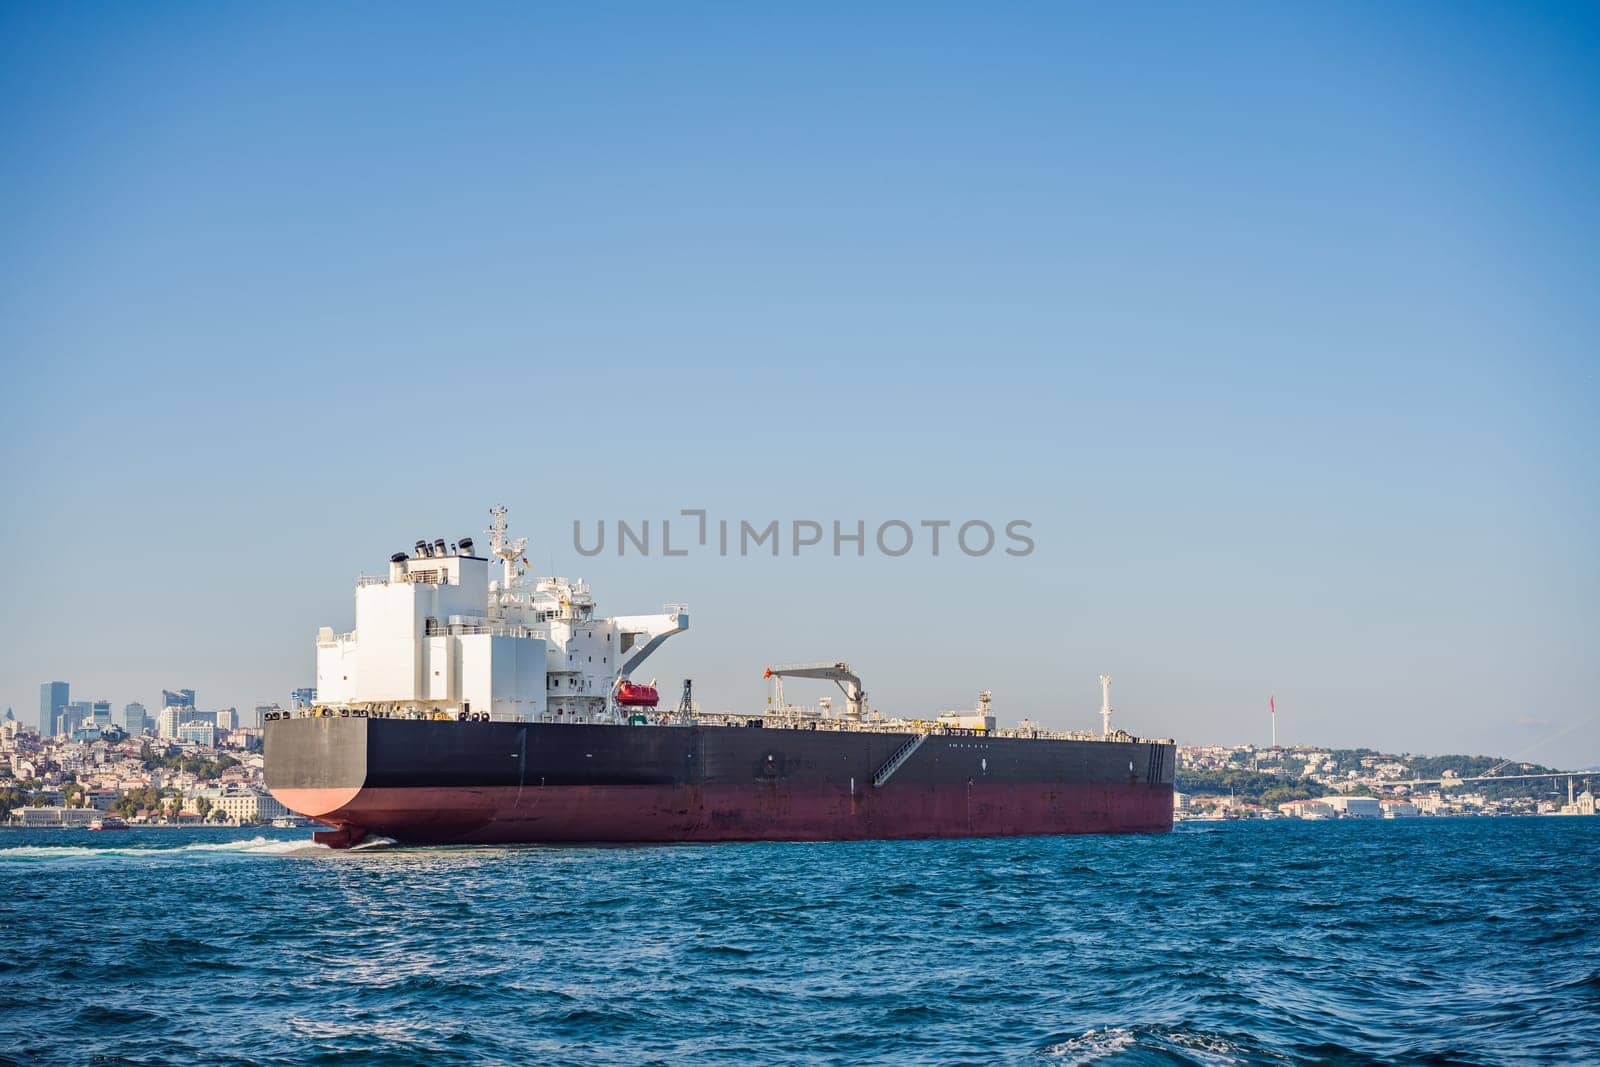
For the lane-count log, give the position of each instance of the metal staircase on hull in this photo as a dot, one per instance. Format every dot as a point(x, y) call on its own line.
point(896, 761)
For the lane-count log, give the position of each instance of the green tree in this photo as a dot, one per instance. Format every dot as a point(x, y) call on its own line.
point(173, 759)
point(202, 806)
point(131, 802)
point(1246, 785)
point(1282, 795)
point(12, 798)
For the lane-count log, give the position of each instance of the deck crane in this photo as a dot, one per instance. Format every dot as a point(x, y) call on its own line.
point(839, 673)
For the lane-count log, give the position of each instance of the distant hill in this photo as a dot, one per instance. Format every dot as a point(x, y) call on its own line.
point(1271, 777)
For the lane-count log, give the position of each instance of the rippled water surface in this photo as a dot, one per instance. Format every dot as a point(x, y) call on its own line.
point(1469, 940)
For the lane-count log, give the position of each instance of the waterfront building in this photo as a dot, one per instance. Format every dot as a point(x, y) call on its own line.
point(52, 699)
point(247, 804)
point(1582, 804)
point(52, 816)
point(1307, 809)
point(1355, 807)
point(167, 722)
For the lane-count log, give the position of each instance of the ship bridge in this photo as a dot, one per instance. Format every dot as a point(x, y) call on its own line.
point(438, 637)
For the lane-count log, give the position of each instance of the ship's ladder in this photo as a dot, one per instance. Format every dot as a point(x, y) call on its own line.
point(896, 761)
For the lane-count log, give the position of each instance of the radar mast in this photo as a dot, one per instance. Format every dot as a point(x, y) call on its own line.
point(507, 550)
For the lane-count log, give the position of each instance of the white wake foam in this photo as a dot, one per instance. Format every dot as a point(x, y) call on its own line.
point(259, 846)
point(1093, 1046)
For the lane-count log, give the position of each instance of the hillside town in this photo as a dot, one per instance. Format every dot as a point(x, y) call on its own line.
point(1310, 782)
point(81, 764)
point(84, 764)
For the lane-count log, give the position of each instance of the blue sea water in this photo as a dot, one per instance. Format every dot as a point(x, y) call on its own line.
point(1410, 941)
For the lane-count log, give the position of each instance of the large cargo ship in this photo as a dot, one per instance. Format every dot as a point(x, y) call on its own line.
point(470, 709)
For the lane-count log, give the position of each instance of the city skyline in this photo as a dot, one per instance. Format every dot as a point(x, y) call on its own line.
point(1278, 330)
point(60, 715)
point(1307, 743)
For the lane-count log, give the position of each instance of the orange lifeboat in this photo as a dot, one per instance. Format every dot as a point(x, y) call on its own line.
point(630, 695)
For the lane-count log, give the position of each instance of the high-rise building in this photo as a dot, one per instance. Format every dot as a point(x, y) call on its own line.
point(183, 698)
point(199, 733)
point(262, 711)
point(73, 717)
point(302, 698)
point(52, 698)
point(227, 718)
point(167, 722)
point(100, 713)
point(135, 719)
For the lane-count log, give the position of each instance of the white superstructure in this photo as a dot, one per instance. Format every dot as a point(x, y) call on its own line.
point(979, 718)
point(439, 636)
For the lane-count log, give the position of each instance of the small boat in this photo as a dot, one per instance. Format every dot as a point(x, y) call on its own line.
point(290, 822)
point(108, 822)
point(631, 695)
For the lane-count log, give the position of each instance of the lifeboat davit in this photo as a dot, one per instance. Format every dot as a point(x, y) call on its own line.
point(630, 695)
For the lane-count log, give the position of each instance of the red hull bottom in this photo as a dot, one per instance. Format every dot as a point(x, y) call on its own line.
point(642, 813)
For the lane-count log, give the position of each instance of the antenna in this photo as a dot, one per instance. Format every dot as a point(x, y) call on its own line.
point(1105, 705)
point(499, 545)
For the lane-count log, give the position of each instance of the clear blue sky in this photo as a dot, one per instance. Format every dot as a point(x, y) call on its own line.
point(1277, 321)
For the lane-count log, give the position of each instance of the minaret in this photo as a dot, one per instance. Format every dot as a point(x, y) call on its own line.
point(1105, 705)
